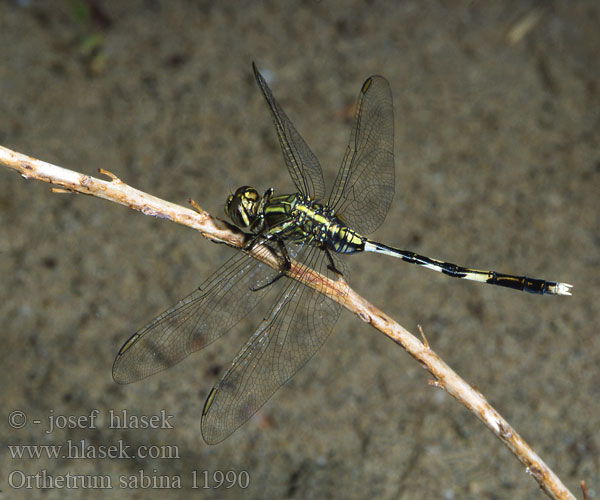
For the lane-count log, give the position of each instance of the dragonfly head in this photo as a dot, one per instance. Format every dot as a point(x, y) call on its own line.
point(242, 206)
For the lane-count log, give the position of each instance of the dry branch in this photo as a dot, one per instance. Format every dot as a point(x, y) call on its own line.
point(222, 232)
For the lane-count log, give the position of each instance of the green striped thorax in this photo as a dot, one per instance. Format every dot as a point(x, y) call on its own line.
point(291, 216)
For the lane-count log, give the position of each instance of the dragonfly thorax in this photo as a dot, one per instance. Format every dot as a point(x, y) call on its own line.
point(291, 216)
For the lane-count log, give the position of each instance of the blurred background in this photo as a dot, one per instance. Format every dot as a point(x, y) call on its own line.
point(497, 113)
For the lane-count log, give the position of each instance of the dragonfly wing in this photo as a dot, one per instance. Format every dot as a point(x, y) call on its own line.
point(364, 187)
point(197, 320)
point(294, 330)
point(302, 164)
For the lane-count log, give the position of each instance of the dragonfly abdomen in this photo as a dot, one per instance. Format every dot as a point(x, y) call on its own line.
point(524, 283)
point(342, 239)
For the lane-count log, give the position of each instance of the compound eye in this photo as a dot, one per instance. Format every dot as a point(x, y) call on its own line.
point(250, 196)
point(241, 216)
point(237, 212)
point(242, 206)
point(228, 205)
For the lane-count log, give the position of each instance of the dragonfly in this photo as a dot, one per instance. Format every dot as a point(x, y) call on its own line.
point(304, 227)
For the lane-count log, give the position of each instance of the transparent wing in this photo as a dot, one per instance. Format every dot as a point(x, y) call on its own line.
point(196, 321)
point(295, 328)
point(302, 164)
point(364, 187)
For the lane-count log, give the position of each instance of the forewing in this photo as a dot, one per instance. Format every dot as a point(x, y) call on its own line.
point(302, 164)
point(196, 321)
point(294, 330)
point(364, 186)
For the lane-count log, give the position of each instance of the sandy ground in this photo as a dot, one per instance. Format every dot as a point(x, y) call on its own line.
point(497, 113)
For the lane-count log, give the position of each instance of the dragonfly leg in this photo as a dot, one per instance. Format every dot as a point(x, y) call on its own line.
point(252, 243)
point(284, 269)
point(331, 265)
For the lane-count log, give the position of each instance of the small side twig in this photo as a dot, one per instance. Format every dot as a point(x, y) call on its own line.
point(584, 489)
point(219, 231)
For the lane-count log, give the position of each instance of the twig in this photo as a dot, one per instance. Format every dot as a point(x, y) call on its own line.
point(584, 489)
point(219, 231)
